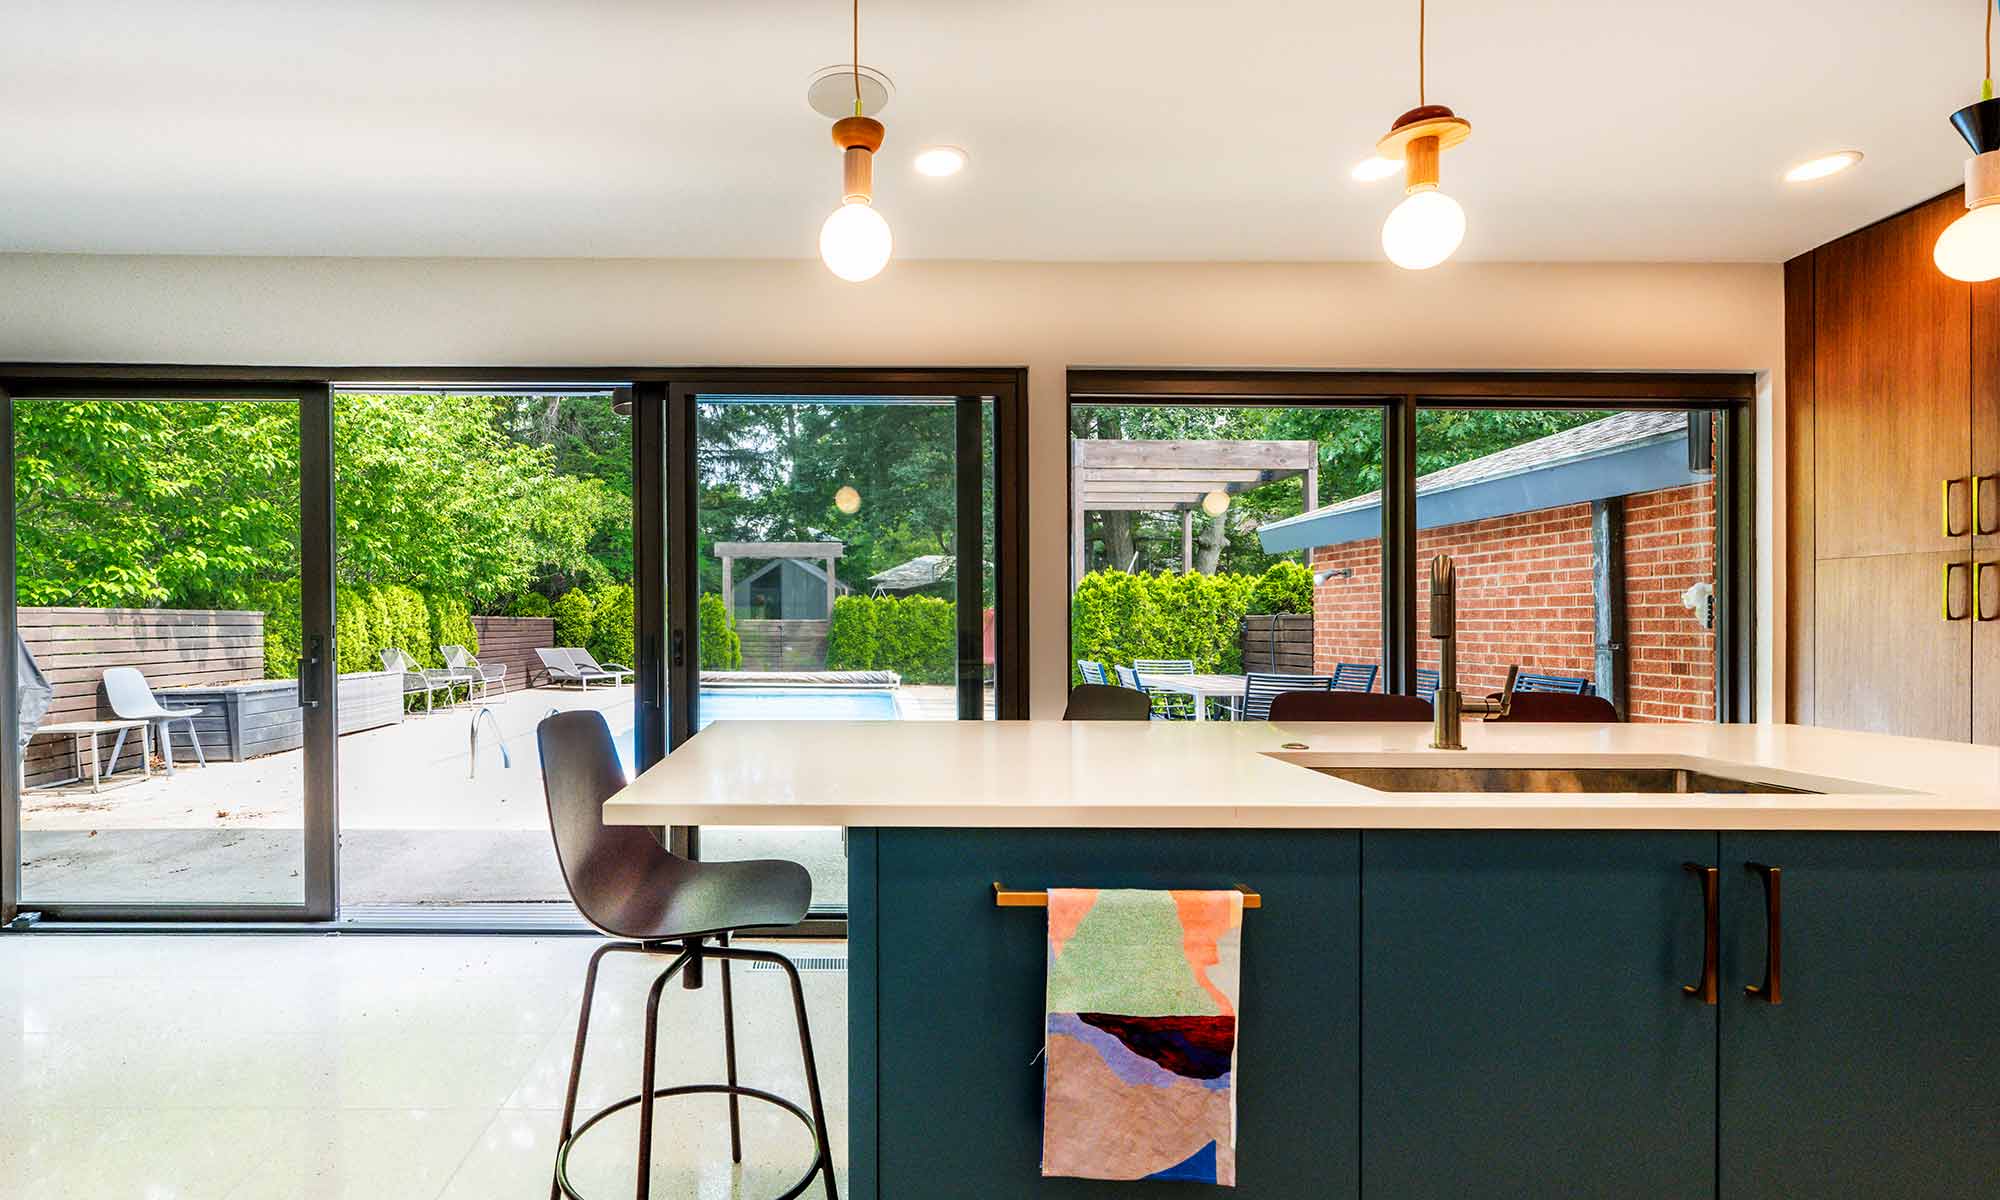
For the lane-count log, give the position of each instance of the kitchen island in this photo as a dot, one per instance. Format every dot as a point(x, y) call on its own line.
point(1634, 960)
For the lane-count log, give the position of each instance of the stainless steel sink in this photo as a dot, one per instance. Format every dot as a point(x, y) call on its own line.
point(1549, 779)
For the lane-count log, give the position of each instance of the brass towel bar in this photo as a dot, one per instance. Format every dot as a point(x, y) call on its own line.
point(1003, 898)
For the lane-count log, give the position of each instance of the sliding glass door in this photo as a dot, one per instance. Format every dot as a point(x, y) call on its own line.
point(169, 606)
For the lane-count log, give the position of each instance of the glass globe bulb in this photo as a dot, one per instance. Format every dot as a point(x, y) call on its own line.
point(855, 242)
point(1969, 248)
point(1423, 230)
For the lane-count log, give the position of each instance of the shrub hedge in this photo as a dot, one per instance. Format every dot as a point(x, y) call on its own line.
point(721, 648)
point(574, 614)
point(611, 626)
point(914, 636)
point(529, 604)
point(1117, 617)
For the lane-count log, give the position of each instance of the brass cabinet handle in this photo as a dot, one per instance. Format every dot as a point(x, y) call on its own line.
point(1946, 604)
point(1944, 505)
point(1979, 483)
point(1979, 606)
point(1711, 934)
point(1772, 989)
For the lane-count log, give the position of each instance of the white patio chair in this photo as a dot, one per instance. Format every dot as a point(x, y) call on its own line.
point(559, 668)
point(419, 678)
point(615, 672)
point(131, 697)
point(463, 662)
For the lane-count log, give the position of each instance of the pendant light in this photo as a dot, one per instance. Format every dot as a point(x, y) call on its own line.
point(1969, 249)
point(1428, 225)
point(855, 241)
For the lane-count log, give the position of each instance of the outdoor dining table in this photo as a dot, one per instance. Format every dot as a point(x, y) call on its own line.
point(1226, 688)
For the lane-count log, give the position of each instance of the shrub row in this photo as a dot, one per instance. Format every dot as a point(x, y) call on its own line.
point(914, 636)
point(602, 622)
point(366, 622)
point(1117, 617)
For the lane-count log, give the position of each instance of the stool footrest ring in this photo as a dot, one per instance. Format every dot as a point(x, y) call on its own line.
point(697, 1089)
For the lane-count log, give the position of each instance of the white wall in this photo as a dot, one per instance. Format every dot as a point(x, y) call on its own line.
point(1046, 316)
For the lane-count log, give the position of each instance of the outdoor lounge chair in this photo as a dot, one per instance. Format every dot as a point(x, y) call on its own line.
point(463, 662)
point(615, 672)
point(419, 678)
point(558, 667)
point(131, 697)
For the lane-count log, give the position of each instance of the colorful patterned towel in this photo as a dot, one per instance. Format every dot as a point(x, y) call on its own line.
point(1141, 1049)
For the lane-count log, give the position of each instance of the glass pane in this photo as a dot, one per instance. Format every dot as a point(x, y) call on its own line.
point(1221, 541)
point(828, 535)
point(1563, 524)
point(484, 548)
point(157, 547)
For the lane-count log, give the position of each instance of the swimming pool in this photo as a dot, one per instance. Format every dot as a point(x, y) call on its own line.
point(781, 704)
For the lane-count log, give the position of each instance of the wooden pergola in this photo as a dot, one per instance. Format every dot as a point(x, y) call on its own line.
point(1173, 476)
point(729, 552)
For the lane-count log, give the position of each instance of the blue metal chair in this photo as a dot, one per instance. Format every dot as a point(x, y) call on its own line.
point(1259, 689)
point(1129, 678)
point(1174, 706)
point(1427, 683)
point(1354, 677)
point(1092, 672)
point(1568, 685)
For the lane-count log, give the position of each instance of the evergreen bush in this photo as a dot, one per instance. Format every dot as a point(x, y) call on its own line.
point(574, 614)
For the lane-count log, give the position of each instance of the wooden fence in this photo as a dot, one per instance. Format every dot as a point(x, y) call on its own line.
point(1282, 643)
point(173, 647)
point(513, 641)
point(790, 645)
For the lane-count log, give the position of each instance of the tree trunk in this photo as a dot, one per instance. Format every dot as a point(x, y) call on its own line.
point(1116, 528)
point(1213, 539)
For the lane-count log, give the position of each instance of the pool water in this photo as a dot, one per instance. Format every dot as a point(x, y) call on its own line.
point(780, 704)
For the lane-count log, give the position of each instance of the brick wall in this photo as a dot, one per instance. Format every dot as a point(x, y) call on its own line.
point(1525, 597)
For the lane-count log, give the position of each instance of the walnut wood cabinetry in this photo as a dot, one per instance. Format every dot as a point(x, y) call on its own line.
point(1893, 388)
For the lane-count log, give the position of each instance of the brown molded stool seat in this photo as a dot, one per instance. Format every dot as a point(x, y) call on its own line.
point(653, 901)
point(1348, 706)
point(1557, 706)
point(1099, 702)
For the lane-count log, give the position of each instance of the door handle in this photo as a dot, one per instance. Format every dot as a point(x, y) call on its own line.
point(1772, 989)
point(1944, 505)
point(1704, 989)
point(1979, 570)
point(312, 672)
point(1979, 483)
point(1948, 569)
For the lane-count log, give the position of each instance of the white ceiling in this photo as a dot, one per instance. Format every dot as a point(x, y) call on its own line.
point(1613, 130)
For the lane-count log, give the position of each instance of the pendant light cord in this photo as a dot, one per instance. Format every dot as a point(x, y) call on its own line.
point(1423, 18)
point(1986, 84)
point(857, 56)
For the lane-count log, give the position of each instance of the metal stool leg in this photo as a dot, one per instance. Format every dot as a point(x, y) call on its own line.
point(649, 1063)
point(576, 1057)
point(729, 1057)
point(812, 1075)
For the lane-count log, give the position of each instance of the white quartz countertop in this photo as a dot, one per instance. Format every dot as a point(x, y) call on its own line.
point(1223, 774)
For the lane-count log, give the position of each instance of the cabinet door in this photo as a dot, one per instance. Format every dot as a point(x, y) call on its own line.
point(1878, 1072)
point(1524, 1029)
point(1886, 658)
point(1892, 401)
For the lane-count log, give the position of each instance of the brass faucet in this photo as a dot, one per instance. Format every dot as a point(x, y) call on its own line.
point(1448, 706)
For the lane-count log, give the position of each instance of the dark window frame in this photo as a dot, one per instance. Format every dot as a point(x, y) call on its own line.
point(1402, 394)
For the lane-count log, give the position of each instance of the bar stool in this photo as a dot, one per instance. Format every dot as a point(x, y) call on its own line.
point(652, 901)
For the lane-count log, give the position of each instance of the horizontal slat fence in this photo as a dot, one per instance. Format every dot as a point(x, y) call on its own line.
point(513, 641)
point(174, 647)
point(791, 645)
point(1282, 643)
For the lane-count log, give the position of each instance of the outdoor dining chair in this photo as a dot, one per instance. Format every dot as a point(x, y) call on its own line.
point(1427, 683)
point(131, 697)
point(466, 664)
point(419, 678)
point(653, 902)
point(1573, 685)
point(1354, 677)
point(1348, 706)
point(1092, 672)
point(1259, 689)
point(615, 672)
point(1174, 706)
point(1097, 702)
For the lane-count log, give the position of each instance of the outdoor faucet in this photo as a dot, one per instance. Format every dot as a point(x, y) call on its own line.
point(1448, 706)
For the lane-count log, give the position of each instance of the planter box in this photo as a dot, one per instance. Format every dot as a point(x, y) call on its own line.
point(1281, 643)
point(247, 720)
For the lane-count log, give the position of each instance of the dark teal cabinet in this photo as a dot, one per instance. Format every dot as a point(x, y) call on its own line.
point(1524, 1029)
point(1878, 1072)
point(946, 1001)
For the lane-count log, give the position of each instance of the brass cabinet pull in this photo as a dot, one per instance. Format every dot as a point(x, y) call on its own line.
point(1711, 934)
point(1979, 606)
point(1772, 989)
point(1948, 569)
point(1944, 505)
point(1979, 483)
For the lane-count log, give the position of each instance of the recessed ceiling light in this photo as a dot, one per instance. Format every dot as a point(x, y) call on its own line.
point(1375, 167)
point(940, 161)
point(1825, 165)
